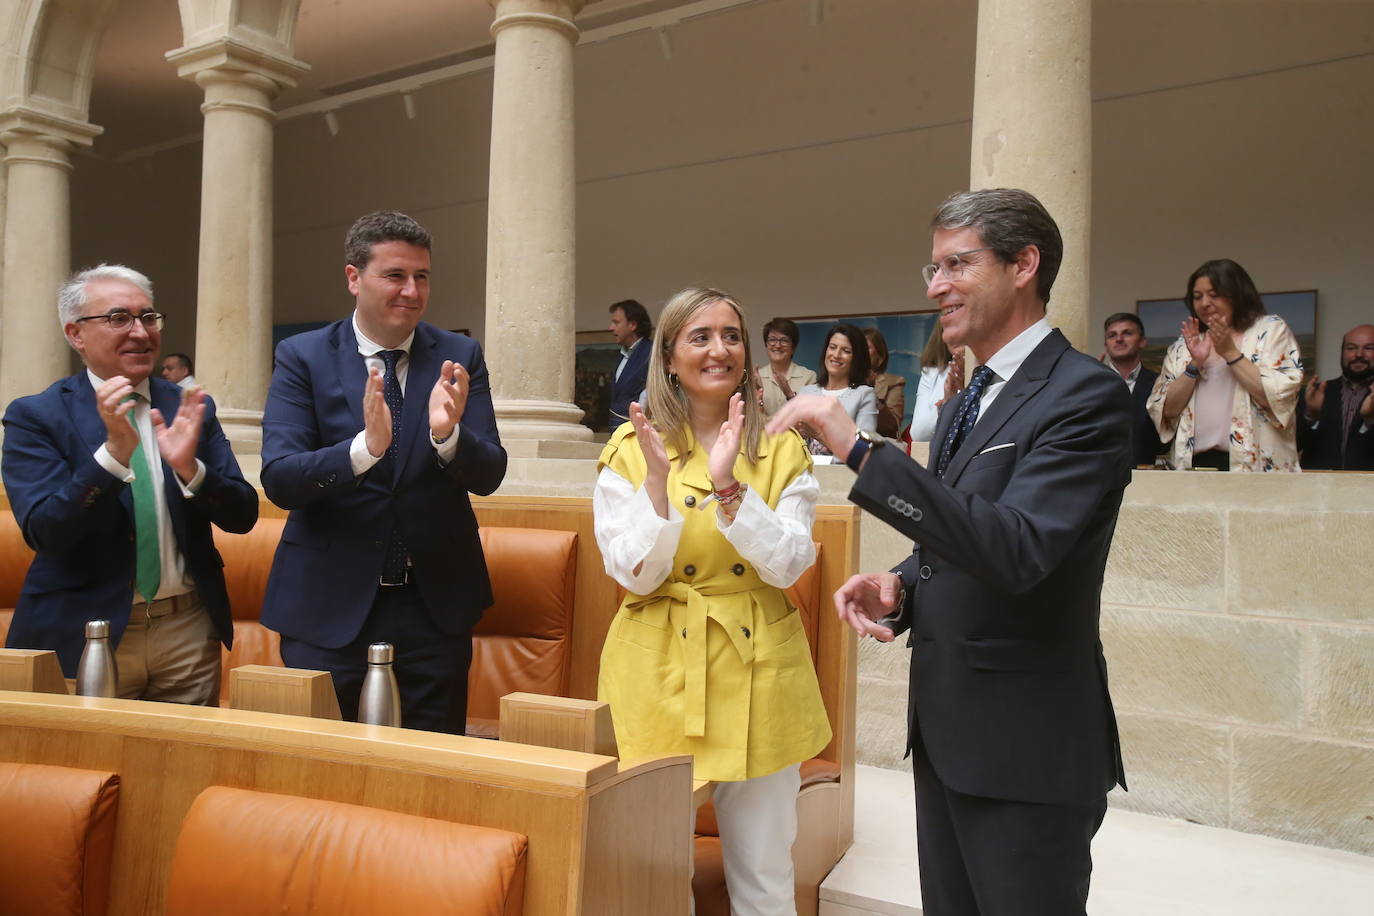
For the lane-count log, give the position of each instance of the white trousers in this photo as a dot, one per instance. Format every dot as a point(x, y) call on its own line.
point(758, 824)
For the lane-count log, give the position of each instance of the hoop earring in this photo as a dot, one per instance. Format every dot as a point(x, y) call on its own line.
point(672, 380)
point(745, 377)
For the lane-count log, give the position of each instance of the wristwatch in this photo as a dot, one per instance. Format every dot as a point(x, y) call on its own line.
point(863, 441)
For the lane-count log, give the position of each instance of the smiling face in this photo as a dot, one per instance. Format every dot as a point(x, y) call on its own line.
point(839, 359)
point(131, 352)
point(708, 357)
point(1209, 304)
point(779, 348)
point(976, 306)
point(392, 291)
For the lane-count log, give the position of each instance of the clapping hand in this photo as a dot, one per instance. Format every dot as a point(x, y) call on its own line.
point(720, 461)
point(1199, 344)
point(448, 399)
point(954, 379)
point(376, 415)
point(113, 404)
point(177, 443)
point(1315, 396)
point(655, 459)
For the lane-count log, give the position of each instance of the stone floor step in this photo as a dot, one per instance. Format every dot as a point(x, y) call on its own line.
point(1144, 866)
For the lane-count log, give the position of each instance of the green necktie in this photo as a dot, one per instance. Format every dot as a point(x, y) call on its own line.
point(148, 569)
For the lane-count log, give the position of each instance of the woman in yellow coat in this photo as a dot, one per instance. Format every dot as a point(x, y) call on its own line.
point(705, 519)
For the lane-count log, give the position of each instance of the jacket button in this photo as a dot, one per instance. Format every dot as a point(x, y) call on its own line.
point(737, 569)
point(916, 514)
point(925, 572)
point(690, 501)
point(689, 570)
point(746, 632)
point(684, 632)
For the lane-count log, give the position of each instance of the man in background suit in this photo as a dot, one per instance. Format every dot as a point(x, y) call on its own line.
point(376, 429)
point(632, 329)
point(1010, 722)
point(118, 536)
point(1336, 419)
point(1123, 339)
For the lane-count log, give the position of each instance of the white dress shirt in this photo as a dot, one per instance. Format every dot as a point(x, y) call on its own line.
point(174, 581)
point(1007, 360)
point(359, 458)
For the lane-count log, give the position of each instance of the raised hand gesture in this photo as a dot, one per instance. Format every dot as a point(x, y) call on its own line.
point(1199, 344)
point(448, 399)
point(111, 403)
point(720, 461)
point(376, 415)
point(954, 379)
point(177, 442)
point(1223, 341)
point(1315, 396)
point(655, 458)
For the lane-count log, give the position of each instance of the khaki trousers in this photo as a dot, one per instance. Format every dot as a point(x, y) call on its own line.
point(172, 658)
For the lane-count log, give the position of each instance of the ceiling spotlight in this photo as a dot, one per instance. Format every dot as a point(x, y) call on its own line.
point(665, 42)
point(408, 100)
point(331, 120)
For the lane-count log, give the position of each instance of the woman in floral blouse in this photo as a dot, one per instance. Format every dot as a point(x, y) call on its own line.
point(1226, 397)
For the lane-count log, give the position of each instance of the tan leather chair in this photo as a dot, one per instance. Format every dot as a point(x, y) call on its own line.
point(15, 557)
point(246, 852)
point(247, 563)
point(523, 641)
point(56, 837)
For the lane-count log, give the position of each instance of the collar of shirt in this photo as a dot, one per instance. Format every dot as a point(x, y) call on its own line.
point(625, 351)
point(143, 388)
point(1007, 360)
point(1133, 375)
point(367, 347)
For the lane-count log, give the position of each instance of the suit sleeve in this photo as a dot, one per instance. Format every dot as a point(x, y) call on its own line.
point(224, 497)
point(480, 464)
point(1079, 453)
point(58, 499)
point(298, 469)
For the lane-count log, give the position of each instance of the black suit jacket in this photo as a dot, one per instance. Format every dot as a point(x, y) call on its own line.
point(325, 574)
point(1320, 443)
point(1008, 682)
point(80, 518)
point(1145, 444)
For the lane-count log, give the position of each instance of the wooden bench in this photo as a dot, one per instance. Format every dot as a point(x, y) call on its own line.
point(603, 839)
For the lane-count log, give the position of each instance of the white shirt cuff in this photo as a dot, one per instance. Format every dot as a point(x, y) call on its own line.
point(446, 450)
point(190, 489)
point(359, 458)
point(106, 460)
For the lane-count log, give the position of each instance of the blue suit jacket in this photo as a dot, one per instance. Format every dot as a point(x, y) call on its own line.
point(1008, 686)
point(325, 574)
point(631, 382)
point(79, 518)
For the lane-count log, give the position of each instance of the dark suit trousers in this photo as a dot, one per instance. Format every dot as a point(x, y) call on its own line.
point(993, 857)
point(431, 666)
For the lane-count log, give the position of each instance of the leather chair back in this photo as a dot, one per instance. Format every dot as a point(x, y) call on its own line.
point(523, 641)
point(247, 852)
point(56, 839)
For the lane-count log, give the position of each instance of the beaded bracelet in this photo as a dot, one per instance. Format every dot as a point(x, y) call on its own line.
point(1239, 357)
point(731, 494)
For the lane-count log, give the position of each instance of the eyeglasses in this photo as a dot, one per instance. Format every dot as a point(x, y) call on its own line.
point(951, 265)
point(778, 341)
point(122, 321)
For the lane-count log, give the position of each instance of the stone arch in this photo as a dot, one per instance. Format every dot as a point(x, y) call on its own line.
point(49, 56)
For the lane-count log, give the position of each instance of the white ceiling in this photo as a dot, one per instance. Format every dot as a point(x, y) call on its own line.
point(349, 44)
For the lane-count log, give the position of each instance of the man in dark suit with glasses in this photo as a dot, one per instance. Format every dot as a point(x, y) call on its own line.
point(115, 476)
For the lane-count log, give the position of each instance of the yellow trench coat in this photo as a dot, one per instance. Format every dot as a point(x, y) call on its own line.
point(714, 663)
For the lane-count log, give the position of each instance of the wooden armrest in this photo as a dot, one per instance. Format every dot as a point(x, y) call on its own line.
point(31, 670)
point(562, 722)
point(291, 691)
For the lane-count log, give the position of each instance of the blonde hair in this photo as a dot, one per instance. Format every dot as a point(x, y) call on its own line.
point(935, 354)
point(669, 409)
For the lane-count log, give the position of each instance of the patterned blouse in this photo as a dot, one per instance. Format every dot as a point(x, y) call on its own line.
point(1261, 440)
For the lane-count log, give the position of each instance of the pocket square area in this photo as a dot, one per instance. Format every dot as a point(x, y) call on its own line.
point(993, 448)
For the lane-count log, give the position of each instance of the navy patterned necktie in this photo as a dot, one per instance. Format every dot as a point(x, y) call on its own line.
point(394, 565)
point(965, 416)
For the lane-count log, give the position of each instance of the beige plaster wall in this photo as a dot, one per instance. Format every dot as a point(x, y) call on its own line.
point(797, 165)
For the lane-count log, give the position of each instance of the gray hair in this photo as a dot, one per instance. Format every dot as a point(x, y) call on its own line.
point(71, 295)
point(1007, 220)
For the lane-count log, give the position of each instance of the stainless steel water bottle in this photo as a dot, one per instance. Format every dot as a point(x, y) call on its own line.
point(380, 703)
point(96, 675)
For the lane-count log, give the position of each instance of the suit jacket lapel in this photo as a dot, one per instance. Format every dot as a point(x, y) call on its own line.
point(1015, 394)
point(352, 370)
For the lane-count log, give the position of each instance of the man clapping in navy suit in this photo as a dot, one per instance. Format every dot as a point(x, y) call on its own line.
point(377, 428)
point(119, 536)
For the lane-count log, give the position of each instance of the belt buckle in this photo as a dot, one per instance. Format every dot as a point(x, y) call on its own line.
point(405, 579)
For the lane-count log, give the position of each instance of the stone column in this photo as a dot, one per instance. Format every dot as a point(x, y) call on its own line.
point(234, 284)
point(37, 240)
point(530, 224)
point(1032, 129)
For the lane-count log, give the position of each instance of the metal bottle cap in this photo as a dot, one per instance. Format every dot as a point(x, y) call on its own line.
point(97, 629)
point(379, 653)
